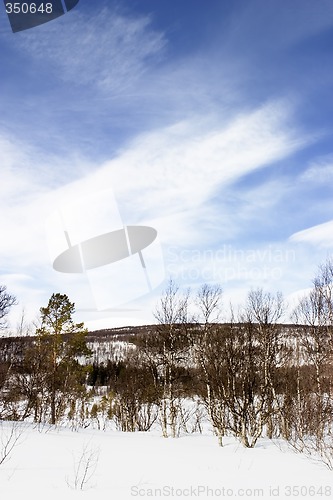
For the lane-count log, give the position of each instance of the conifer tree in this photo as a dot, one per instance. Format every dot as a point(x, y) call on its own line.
point(60, 344)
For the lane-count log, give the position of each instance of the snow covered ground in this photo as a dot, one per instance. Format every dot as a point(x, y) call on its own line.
point(46, 464)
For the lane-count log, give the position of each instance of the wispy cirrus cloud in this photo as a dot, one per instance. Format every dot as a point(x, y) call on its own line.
point(168, 178)
point(202, 146)
point(181, 167)
point(104, 49)
point(320, 235)
point(320, 171)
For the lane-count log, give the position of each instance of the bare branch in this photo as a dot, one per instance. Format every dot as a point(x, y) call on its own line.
point(6, 302)
point(9, 440)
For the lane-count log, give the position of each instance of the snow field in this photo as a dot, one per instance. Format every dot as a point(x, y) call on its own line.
point(45, 465)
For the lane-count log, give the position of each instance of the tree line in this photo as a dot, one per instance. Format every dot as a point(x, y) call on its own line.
point(248, 376)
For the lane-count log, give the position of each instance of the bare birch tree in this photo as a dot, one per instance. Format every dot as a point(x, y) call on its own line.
point(165, 350)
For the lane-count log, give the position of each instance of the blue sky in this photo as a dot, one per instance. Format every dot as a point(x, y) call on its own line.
point(209, 121)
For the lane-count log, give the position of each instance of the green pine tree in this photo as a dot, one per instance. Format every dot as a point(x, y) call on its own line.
point(61, 343)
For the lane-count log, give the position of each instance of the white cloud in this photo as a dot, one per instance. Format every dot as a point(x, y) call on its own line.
point(176, 178)
point(180, 167)
point(319, 171)
point(167, 178)
point(319, 236)
point(104, 49)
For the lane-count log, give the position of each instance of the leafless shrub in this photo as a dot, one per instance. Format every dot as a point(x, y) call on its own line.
point(84, 468)
point(9, 438)
point(131, 414)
